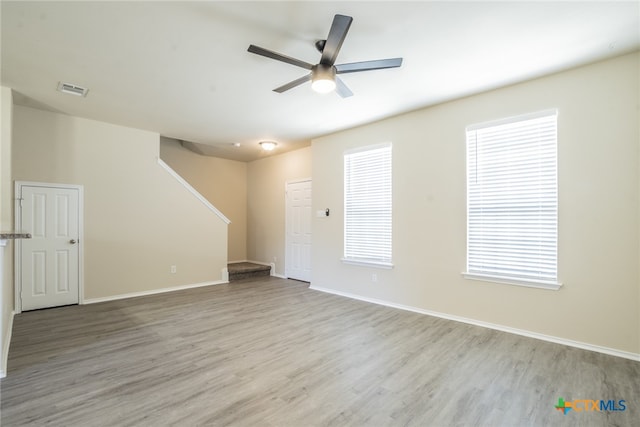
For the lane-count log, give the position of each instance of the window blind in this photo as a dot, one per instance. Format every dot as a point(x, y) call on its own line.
point(368, 204)
point(512, 199)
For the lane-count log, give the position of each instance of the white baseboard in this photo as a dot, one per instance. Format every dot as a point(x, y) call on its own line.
point(5, 347)
point(522, 332)
point(279, 276)
point(152, 292)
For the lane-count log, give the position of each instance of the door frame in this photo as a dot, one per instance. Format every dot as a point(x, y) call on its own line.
point(17, 247)
point(286, 217)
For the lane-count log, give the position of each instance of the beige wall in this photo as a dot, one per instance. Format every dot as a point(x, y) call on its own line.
point(138, 220)
point(599, 218)
point(6, 222)
point(222, 182)
point(266, 180)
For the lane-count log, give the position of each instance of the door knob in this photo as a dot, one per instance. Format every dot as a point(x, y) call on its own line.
point(72, 241)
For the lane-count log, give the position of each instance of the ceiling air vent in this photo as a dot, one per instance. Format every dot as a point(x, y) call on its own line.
point(72, 89)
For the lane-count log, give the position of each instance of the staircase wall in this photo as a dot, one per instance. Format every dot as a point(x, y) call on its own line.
point(222, 182)
point(139, 220)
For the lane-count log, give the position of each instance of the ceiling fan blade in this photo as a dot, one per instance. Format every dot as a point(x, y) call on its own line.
point(337, 34)
point(278, 57)
point(342, 89)
point(377, 64)
point(291, 85)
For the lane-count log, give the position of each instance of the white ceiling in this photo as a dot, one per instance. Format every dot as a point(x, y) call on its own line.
point(182, 68)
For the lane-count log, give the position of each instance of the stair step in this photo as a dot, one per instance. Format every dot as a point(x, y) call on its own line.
point(244, 270)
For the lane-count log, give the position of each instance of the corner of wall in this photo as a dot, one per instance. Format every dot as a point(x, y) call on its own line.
point(6, 224)
point(6, 341)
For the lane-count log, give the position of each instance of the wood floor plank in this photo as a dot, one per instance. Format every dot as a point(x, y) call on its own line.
point(271, 352)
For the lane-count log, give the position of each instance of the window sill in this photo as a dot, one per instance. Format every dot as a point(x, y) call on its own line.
point(364, 263)
point(553, 286)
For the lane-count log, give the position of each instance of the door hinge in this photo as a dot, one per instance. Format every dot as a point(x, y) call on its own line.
point(20, 199)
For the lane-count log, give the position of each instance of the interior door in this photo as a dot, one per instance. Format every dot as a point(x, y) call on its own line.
point(49, 264)
point(298, 262)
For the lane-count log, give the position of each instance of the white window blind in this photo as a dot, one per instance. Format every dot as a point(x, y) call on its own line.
point(512, 200)
point(368, 205)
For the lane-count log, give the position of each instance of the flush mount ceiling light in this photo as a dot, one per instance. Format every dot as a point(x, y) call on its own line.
point(268, 145)
point(72, 89)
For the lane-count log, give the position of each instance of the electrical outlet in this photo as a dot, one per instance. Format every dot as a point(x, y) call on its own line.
point(174, 269)
point(275, 259)
point(374, 277)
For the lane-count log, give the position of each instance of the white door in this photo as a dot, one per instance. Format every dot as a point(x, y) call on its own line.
point(298, 262)
point(49, 267)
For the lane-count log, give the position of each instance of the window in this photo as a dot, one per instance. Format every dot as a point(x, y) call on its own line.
point(512, 201)
point(367, 205)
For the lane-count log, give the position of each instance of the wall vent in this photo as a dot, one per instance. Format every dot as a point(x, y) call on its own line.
point(72, 89)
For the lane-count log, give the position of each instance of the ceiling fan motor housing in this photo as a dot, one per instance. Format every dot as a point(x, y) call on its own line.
point(323, 72)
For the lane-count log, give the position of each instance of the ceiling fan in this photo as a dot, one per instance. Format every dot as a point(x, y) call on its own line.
point(323, 75)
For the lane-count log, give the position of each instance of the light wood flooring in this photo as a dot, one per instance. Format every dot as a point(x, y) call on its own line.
point(271, 352)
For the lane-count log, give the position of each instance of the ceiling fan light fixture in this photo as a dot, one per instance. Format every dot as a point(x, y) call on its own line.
point(323, 78)
point(268, 145)
point(323, 74)
point(323, 85)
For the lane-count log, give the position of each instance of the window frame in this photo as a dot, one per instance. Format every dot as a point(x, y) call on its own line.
point(382, 262)
point(552, 283)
